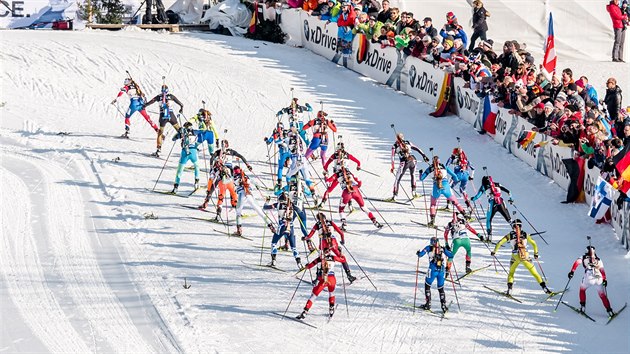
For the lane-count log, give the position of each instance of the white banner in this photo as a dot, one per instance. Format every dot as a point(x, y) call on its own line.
point(381, 64)
point(320, 37)
point(422, 81)
point(291, 24)
point(469, 107)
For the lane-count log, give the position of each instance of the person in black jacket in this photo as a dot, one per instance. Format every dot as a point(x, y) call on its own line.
point(428, 27)
point(385, 12)
point(373, 7)
point(480, 27)
point(613, 104)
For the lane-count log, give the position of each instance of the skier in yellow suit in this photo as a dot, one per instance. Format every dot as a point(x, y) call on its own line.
point(519, 240)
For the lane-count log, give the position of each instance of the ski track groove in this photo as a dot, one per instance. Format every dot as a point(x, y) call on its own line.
point(24, 273)
point(78, 267)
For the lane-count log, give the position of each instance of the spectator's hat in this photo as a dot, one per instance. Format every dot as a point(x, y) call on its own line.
point(572, 108)
point(540, 105)
point(572, 86)
point(372, 18)
point(345, 3)
point(549, 105)
point(591, 114)
point(562, 97)
point(437, 39)
point(579, 83)
point(529, 59)
point(449, 37)
point(428, 19)
point(590, 104)
point(426, 39)
point(358, 7)
point(448, 42)
point(487, 43)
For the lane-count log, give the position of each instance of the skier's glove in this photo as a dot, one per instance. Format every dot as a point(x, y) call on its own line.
point(114, 102)
point(181, 111)
point(358, 168)
point(279, 113)
point(492, 253)
point(511, 201)
point(605, 283)
point(303, 238)
point(343, 242)
point(470, 178)
point(391, 170)
point(448, 247)
point(425, 158)
point(418, 253)
point(308, 108)
point(570, 274)
point(535, 255)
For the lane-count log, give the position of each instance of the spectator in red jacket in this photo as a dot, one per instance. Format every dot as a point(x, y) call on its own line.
point(347, 16)
point(618, 19)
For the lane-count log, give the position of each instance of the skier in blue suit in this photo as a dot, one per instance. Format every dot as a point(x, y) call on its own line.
point(437, 264)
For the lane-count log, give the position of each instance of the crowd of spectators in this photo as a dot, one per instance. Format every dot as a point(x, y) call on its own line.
point(563, 106)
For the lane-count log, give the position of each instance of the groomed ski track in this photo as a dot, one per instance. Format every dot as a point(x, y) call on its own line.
point(83, 271)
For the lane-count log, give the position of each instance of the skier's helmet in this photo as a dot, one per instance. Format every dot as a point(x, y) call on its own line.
point(236, 170)
point(434, 241)
point(400, 137)
point(164, 88)
point(321, 114)
point(340, 146)
point(225, 144)
point(485, 181)
point(460, 218)
point(517, 222)
point(188, 125)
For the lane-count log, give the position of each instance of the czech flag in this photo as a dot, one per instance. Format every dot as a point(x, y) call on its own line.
point(526, 138)
point(252, 23)
point(549, 61)
point(490, 111)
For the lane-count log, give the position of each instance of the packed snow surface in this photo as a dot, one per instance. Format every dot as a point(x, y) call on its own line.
point(82, 270)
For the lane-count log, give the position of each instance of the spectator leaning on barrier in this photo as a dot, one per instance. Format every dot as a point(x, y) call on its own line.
point(556, 86)
point(619, 22)
point(428, 27)
point(309, 6)
point(322, 8)
point(385, 12)
point(479, 24)
point(488, 56)
point(613, 104)
point(371, 29)
point(333, 11)
point(508, 60)
point(574, 98)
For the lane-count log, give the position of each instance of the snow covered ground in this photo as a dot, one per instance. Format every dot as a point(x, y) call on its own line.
point(83, 270)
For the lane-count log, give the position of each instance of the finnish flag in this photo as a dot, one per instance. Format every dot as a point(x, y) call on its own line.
point(602, 199)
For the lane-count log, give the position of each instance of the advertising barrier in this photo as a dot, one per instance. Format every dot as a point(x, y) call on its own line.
point(422, 81)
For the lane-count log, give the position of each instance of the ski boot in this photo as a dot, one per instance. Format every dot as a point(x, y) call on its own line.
point(302, 315)
point(175, 186)
point(489, 237)
point(239, 231)
point(273, 261)
point(196, 186)
point(545, 288)
point(509, 290)
point(351, 278)
point(392, 199)
point(344, 225)
point(299, 263)
point(126, 134)
point(331, 310)
point(321, 203)
point(431, 222)
point(583, 307)
point(468, 270)
point(426, 306)
point(610, 312)
point(204, 205)
point(218, 212)
point(444, 307)
point(376, 223)
point(156, 153)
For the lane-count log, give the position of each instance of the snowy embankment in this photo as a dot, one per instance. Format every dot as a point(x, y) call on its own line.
point(82, 269)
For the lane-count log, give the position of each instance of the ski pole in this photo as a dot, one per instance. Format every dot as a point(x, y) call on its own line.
point(562, 295)
point(530, 224)
point(262, 245)
point(358, 265)
point(292, 296)
point(167, 157)
point(379, 213)
point(454, 291)
point(426, 210)
point(415, 290)
point(368, 172)
point(456, 275)
point(343, 281)
point(307, 261)
point(541, 270)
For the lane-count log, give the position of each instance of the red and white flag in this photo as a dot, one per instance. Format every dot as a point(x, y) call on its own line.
point(549, 62)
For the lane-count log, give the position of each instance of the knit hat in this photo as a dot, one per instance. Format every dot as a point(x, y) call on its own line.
point(562, 97)
point(427, 19)
point(448, 42)
point(358, 7)
point(540, 105)
point(579, 83)
point(488, 43)
point(549, 104)
point(426, 39)
point(437, 39)
point(572, 86)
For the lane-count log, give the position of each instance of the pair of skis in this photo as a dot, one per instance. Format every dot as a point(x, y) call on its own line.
point(610, 318)
point(549, 296)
